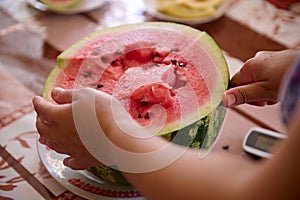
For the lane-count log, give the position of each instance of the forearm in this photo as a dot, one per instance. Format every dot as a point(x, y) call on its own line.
point(189, 177)
point(215, 177)
point(279, 178)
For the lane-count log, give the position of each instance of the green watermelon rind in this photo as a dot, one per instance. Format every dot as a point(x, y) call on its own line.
point(109, 175)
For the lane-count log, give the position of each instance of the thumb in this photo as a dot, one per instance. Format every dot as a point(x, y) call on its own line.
point(246, 94)
point(61, 96)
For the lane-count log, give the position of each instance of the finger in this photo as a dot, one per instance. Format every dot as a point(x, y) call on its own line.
point(271, 102)
point(42, 128)
point(43, 108)
point(240, 78)
point(42, 140)
point(244, 76)
point(258, 103)
point(61, 96)
point(55, 146)
point(246, 94)
point(75, 164)
point(50, 144)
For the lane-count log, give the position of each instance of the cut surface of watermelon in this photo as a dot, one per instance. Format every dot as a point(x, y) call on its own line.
point(185, 72)
point(175, 66)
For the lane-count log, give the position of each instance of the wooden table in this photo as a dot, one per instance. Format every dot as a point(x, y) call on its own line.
point(30, 40)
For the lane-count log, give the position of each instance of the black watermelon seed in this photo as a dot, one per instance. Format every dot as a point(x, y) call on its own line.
point(147, 115)
point(139, 116)
point(174, 61)
point(143, 103)
point(104, 59)
point(156, 65)
point(225, 147)
point(155, 55)
point(119, 52)
point(113, 62)
point(100, 86)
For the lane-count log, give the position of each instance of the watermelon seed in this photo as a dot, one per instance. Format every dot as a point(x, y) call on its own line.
point(225, 147)
point(104, 59)
point(147, 115)
point(156, 65)
point(184, 83)
point(174, 50)
point(139, 116)
point(174, 61)
point(156, 54)
point(119, 52)
point(143, 103)
point(86, 74)
point(181, 64)
point(100, 86)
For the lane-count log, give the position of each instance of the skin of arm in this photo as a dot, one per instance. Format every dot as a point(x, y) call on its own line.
point(279, 177)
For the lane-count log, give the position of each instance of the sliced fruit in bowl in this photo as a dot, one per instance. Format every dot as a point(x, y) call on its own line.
point(60, 5)
point(188, 8)
point(188, 12)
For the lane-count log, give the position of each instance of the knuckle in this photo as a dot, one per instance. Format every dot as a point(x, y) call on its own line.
point(39, 126)
point(259, 53)
point(243, 95)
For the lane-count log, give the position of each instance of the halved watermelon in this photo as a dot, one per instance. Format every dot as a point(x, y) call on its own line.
point(175, 66)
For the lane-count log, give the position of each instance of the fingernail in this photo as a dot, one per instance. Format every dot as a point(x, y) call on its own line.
point(34, 99)
point(230, 99)
point(66, 161)
point(42, 140)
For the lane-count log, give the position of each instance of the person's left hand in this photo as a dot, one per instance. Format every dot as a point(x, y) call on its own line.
point(57, 130)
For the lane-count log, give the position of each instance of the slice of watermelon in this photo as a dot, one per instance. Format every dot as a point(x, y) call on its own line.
point(175, 66)
point(60, 5)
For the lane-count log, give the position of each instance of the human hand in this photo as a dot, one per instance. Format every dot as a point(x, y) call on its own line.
point(57, 130)
point(92, 127)
point(259, 79)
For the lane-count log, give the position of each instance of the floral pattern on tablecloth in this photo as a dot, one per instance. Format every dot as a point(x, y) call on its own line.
point(19, 140)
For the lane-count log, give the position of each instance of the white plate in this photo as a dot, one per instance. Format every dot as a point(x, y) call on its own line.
point(150, 5)
point(82, 183)
point(83, 6)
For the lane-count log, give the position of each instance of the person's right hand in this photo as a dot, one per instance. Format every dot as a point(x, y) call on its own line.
point(258, 81)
